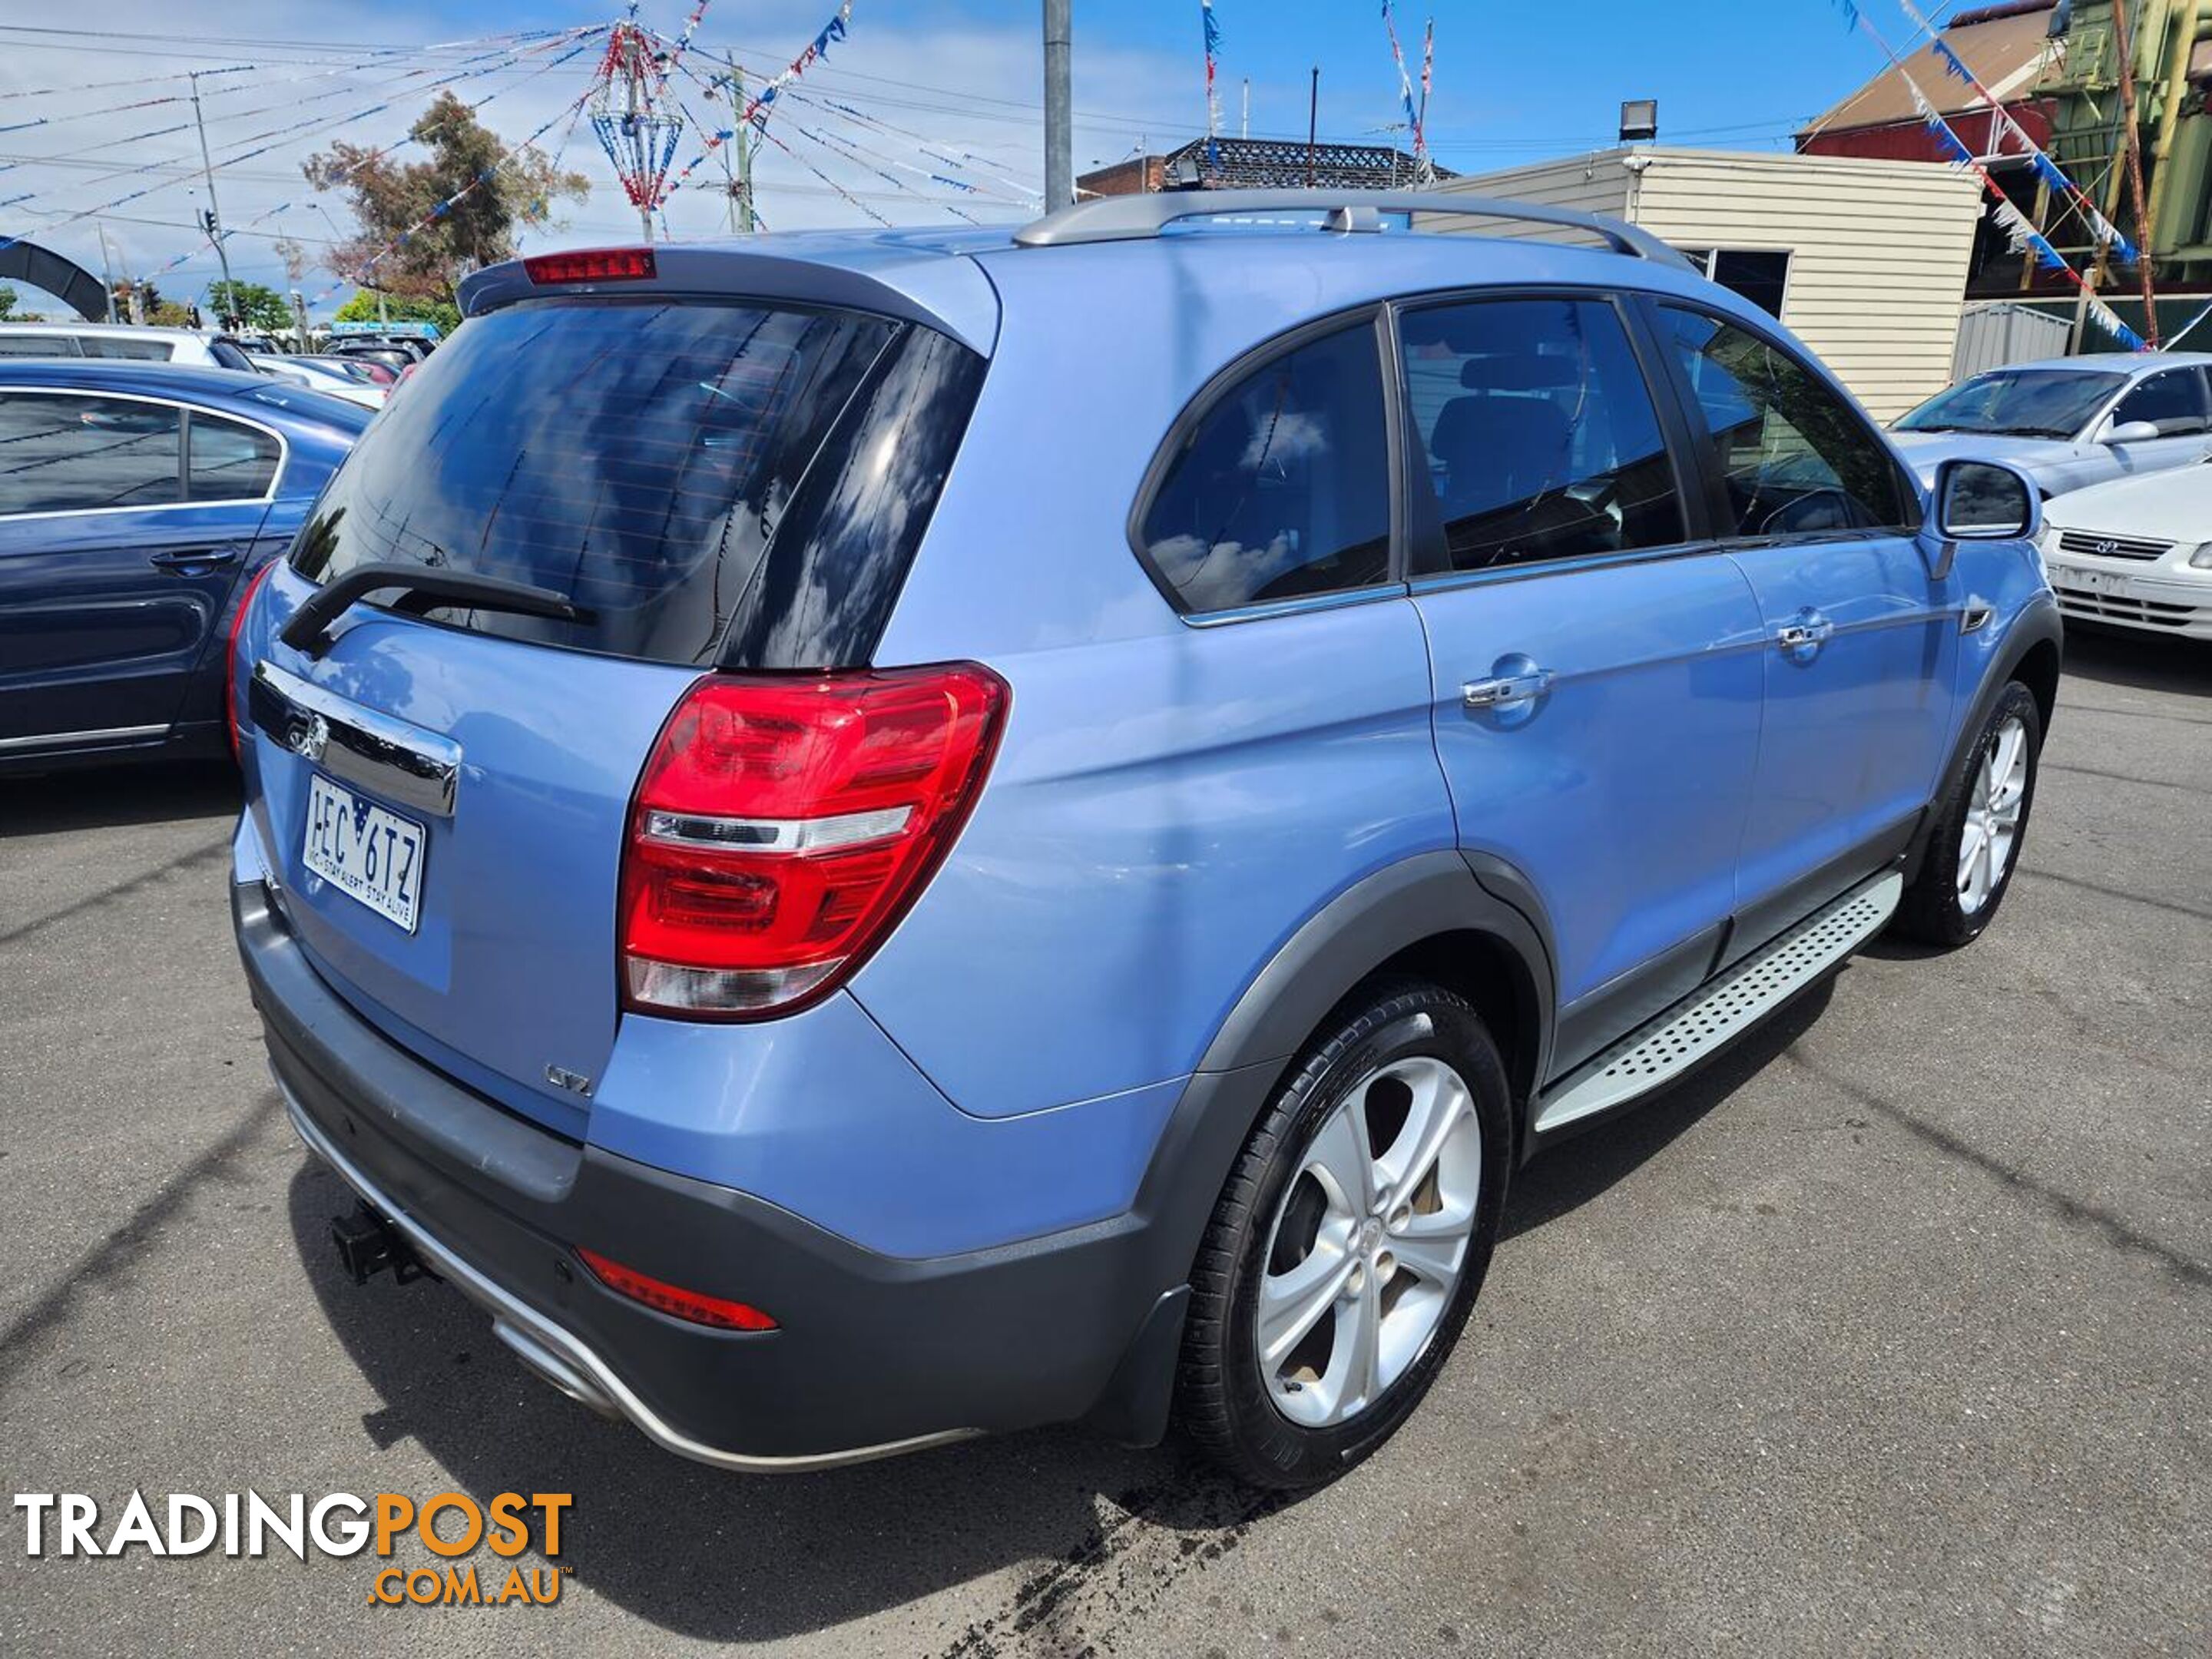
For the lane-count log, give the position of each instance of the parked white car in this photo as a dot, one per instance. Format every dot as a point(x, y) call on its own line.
point(2070, 422)
point(193, 347)
point(338, 385)
point(2136, 551)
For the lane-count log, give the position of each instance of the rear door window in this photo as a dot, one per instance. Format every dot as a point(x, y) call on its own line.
point(63, 452)
point(640, 457)
point(228, 460)
point(1538, 431)
point(1795, 459)
point(1281, 489)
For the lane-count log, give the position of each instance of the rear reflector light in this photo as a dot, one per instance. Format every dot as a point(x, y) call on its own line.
point(596, 264)
point(673, 1299)
point(233, 716)
point(782, 826)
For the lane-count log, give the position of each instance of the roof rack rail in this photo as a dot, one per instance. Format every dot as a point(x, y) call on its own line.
point(1135, 218)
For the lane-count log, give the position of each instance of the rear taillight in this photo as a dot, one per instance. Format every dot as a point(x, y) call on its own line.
point(596, 264)
point(233, 717)
point(673, 1299)
point(783, 825)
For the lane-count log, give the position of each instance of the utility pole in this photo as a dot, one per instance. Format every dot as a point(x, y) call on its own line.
point(107, 269)
point(300, 312)
point(1313, 124)
point(1244, 127)
point(740, 182)
point(215, 208)
point(1059, 122)
point(2123, 38)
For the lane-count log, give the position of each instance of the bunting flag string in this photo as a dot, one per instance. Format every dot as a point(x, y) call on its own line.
point(758, 110)
point(850, 199)
point(1428, 75)
point(2017, 224)
point(2174, 339)
point(233, 158)
point(2046, 170)
point(1405, 80)
point(965, 160)
point(1211, 27)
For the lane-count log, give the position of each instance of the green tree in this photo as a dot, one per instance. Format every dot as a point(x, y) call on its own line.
point(479, 191)
point(260, 308)
point(400, 308)
point(8, 298)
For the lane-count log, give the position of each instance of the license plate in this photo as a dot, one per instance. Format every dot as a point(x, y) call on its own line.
point(369, 854)
point(2088, 581)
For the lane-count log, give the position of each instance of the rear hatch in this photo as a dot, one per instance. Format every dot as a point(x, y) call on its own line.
point(444, 796)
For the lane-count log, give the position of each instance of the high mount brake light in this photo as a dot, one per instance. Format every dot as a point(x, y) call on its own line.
point(673, 1299)
point(783, 825)
point(596, 264)
point(230, 714)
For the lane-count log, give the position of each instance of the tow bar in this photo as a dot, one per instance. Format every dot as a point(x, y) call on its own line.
point(367, 1245)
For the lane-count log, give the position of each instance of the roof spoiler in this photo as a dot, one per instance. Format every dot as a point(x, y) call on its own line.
point(1135, 218)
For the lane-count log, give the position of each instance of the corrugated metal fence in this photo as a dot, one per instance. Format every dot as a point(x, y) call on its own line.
point(1992, 336)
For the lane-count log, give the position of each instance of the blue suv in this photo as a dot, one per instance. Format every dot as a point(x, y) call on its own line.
point(874, 838)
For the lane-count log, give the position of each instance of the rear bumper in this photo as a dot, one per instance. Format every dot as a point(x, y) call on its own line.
point(873, 1355)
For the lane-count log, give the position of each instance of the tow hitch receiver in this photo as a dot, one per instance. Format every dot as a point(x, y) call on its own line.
point(367, 1245)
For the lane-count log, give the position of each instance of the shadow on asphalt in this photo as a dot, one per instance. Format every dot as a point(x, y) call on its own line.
point(750, 1558)
point(2138, 661)
point(148, 791)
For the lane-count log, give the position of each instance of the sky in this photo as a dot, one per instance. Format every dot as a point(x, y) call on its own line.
point(943, 88)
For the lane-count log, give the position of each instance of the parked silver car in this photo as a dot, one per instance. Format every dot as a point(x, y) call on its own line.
point(2068, 421)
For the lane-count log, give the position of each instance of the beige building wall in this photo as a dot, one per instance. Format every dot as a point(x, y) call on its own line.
point(1877, 249)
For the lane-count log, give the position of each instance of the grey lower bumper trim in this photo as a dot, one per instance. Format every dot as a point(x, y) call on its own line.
point(558, 1355)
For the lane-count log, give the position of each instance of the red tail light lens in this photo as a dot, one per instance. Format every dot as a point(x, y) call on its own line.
point(782, 826)
point(674, 1299)
point(596, 264)
point(232, 717)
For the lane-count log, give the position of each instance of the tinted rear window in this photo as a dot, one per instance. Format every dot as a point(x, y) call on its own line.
point(638, 456)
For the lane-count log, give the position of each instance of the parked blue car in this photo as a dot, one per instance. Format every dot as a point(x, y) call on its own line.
point(137, 503)
point(874, 838)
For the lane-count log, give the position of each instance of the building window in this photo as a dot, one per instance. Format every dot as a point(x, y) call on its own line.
point(1760, 274)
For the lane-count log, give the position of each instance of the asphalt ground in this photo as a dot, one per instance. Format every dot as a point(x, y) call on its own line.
point(1889, 1331)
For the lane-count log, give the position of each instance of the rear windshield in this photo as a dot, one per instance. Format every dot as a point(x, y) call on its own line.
point(639, 457)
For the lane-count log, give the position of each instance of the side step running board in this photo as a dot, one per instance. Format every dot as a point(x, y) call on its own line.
point(1658, 1052)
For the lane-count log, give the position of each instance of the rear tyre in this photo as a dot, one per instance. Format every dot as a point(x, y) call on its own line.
point(1349, 1242)
point(1976, 846)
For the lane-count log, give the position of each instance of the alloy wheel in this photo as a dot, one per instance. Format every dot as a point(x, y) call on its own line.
point(1368, 1242)
point(1993, 811)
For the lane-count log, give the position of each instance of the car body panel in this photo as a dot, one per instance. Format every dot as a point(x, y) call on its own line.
point(1554, 787)
point(512, 960)
point(1855, 728)
point(1139, 856)
point(98, 637)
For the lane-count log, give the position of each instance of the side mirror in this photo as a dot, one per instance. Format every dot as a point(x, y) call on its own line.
point(2132, 432)
point(1982, 501)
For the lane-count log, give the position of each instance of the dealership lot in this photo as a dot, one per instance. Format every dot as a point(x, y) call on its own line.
point(1887, 1329)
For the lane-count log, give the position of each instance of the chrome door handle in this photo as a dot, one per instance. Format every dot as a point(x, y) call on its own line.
point(1507, 690)
point(1809, 632)
point(197, 560)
